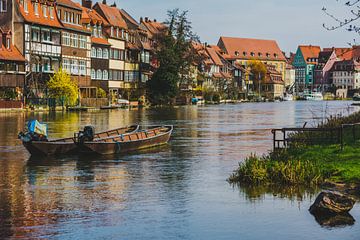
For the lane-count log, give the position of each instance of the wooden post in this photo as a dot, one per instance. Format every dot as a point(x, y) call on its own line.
point(284, 135)
point(274, 138)
point(342, 137)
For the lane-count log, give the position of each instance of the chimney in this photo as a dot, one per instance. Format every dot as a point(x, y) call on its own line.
point(146, 19)
point(86, 3)
point(154, 20)
point(113, 5)
point(104, 2)
point(141, 19)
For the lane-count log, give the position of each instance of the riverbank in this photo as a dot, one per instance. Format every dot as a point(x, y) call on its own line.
point(325, 165)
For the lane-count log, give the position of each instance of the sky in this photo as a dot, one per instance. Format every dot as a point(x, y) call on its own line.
point(289, 22)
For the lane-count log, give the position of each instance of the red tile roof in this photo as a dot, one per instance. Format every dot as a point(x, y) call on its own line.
point(310, 52)
point(69, 3)
point(153, 27)
point(112, 15)
point(129, 18)
point(214, 56)
point(30, 16)
point(261, 49)
point(12, 54)
point(99, 41)
point(91, 16)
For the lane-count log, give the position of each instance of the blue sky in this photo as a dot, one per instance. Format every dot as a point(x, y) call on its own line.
point(290, 22)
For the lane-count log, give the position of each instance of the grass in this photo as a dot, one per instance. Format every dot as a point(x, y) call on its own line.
point(305, 166)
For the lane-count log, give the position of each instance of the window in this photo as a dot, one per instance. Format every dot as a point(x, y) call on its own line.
point(112, 31)
point(117, 32)
point(93, 75)
point(116, 53)
point(51, 10)
point(78, 19)
point(82, 67)
point(59, 13)
point(99, 53)
point(45, 34)
point(26, 9)
point(74, 40)
point(99, 74)
point(74, 67)
point(44, 10)
point(82, 40)
point(99, 31)
point(66, 39)
point(66, 65)
point(3, 7)
point(93, 52)
point(46, 65)
point(36, 8)
point(105, 54)
point(105, 75)
point(94, 32)
point(35, 35)
point(8, 43)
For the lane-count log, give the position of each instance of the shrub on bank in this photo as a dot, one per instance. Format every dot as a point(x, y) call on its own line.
point(269, 170)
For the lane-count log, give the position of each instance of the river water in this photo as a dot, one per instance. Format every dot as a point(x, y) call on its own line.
point(176, 192)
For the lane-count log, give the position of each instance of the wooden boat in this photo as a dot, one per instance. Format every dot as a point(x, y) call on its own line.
point(125, 143)
point(68, 145)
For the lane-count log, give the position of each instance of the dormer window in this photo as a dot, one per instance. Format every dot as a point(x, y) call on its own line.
point(8, 42)
point(26, 9)
point(267, 55)
point(51, 11)
point(237, 53)
point(275, 55)
point(99, 30)
point(252, 54)
point(36, 8)
point(244, 53)
point(260, 54)
point(44, 9)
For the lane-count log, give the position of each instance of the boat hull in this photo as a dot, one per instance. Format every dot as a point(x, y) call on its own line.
point(68, 146)
point(50, 148)
point(106, 148)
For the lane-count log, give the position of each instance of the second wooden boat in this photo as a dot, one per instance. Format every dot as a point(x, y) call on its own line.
point(131, 142)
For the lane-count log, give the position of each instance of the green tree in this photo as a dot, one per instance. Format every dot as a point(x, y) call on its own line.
point(174, 53)
point(61, 86)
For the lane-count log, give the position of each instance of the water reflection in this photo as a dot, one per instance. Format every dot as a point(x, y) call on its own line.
point(259, 192)
point(332, 221)
point(177, 192)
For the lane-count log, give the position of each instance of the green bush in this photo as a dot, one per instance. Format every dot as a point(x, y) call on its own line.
point(101, 93)
point(265, 170)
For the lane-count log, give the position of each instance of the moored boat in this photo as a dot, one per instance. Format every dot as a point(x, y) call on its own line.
point(130, 142)
point(37, 143)
point(288, 97)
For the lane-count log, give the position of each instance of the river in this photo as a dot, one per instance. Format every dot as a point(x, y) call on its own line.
point(176, 192)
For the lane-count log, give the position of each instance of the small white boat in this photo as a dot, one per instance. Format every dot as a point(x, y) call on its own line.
point(314, 96)
point(288, 97)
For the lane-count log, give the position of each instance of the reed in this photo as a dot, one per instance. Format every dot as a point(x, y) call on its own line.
point(270, 170)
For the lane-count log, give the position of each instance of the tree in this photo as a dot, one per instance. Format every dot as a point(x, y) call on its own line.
point(61, 86)
point(258, 71)
point(174, 54)
point(348, 22)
